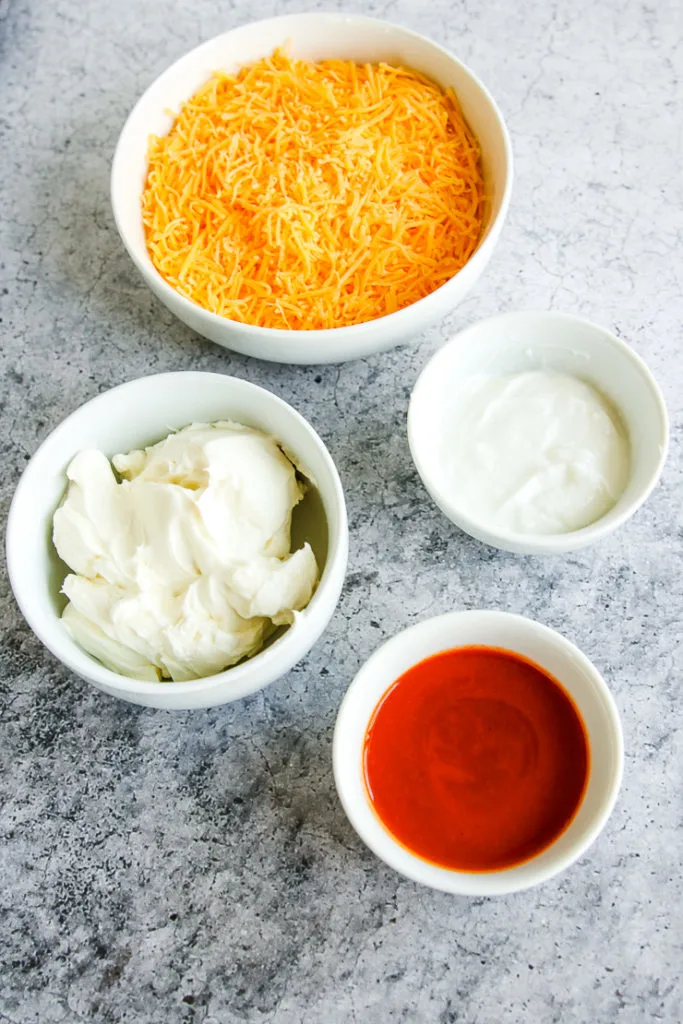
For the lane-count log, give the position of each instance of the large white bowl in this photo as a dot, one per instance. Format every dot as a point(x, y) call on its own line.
point(137, 414)
point(522, 341)
point(541, 645)
point(311, 37)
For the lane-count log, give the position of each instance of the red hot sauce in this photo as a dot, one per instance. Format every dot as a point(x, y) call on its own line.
point(476, 759)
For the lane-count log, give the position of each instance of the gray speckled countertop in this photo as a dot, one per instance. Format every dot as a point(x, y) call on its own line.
point(197, 867)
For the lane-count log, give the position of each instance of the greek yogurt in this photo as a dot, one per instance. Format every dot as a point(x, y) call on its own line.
point(535, 452)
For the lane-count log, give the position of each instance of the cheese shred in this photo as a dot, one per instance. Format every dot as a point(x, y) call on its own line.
point(305, 195)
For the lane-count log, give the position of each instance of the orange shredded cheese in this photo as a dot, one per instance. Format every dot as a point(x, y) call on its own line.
point(302, 196)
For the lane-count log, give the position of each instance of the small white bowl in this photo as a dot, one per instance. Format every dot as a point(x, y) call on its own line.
point(137, 414)
point(311, 37)
point(551, 652)
point(518, 342)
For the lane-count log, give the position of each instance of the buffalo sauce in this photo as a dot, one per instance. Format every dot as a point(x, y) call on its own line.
point(476, 759)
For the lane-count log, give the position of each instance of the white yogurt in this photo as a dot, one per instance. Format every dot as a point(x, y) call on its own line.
point(536, 452)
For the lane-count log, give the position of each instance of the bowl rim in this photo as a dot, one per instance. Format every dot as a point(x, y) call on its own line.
point(245, 677)
point(397, 319)
point(399, 857)
point(536, 543)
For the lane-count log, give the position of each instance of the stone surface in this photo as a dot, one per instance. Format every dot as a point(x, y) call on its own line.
point(197, 867)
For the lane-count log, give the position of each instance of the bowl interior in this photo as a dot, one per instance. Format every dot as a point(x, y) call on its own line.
point(511, 632)
point(518, 342)
point(310, 37)
point(134, 415)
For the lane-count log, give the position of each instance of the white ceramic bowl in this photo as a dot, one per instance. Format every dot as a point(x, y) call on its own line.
point(311, 37)
point(515, 343)
point(546, 648)
point(137, 414)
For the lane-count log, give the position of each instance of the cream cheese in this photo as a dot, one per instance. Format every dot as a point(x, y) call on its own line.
point(535, 452)
point(183, 566)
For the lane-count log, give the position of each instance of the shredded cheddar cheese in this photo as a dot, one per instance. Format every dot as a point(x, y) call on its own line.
point(302, 196)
